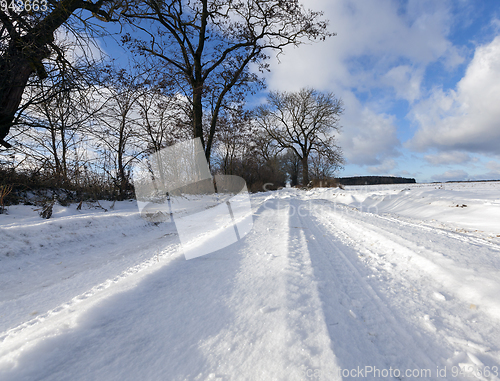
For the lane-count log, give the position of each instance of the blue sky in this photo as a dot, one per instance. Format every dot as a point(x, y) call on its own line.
point(420, 81)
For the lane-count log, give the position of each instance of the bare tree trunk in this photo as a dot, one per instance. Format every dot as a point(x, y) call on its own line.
point(64, 154)
point(198, 113)
point(215, 114)
point(198, 80)
point(57, 171)
point(122, 141)
point(15, 71)
point(305, 171)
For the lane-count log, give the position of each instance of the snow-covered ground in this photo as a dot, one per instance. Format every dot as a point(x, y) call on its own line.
point(374, 282)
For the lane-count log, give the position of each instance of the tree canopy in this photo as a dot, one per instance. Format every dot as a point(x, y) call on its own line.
point(304, 122)
point(209, 45)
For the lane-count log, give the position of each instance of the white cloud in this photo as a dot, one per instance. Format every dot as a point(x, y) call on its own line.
point(378, 46)
point(493, 174)
point(372, 39)
point(444, 158)
point(405, 173)
point(454, 175)
point(493, 165)
point(467, 118)
point(405, 81)
point(495, 24)
point(89, 49)
point(384, 168)
point(367, 137)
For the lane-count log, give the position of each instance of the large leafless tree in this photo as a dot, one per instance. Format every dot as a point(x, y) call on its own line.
point(305, 121)
point(210, 44)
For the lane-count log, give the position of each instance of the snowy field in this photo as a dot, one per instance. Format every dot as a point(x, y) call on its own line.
point(377, 282)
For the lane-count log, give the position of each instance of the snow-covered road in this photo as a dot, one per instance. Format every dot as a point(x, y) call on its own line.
point(319, 289)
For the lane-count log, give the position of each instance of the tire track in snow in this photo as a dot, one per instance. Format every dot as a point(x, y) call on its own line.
point(406, 268)
point(364, 332)
point(447, 262)
point(425, 226)
point(308, 328)
point(279, 331)
point(463, 237)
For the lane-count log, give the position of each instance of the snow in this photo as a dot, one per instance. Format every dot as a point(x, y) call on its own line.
point(374, 282)
point(474, 207)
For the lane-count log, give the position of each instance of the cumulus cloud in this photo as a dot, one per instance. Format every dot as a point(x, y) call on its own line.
point(368, 138)
point(494, 166)
point(379, 45)
point(492, 174)
point(373, 38)
point(77, 49)
point(467, 118)
point(453, 175)
point(406, 82)
point(444, 158)
point(384, 168)
point(405, 173)
point(388, 51)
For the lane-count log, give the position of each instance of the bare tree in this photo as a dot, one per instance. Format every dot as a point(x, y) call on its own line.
point(321, 168)
point(48, 139)
point(303, 122)
point(54, 124)
point(116, 130)
point(232, 140)
point(163, 119)
point(27, 39)
point(291, 165)
point(209, 44)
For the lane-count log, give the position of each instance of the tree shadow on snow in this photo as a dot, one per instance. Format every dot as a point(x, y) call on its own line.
point(151, 332)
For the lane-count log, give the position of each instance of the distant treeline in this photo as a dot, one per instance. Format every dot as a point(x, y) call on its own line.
point(369, 180)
